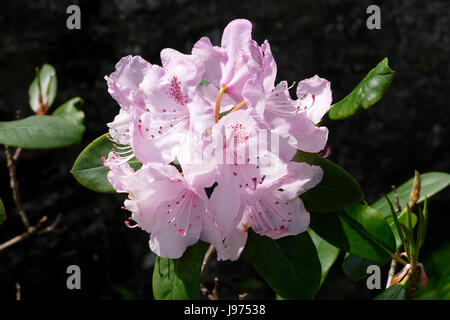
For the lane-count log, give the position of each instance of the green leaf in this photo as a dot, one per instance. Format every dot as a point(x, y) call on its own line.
point(409, 240)
point(432, 183)
point(398, 225)
point(39, 132)
point(179, 279)
point(71, 110)
point(423, 224)
point(356, 267)
point(289, 265)
point(47, 81)
point(88, 168)
point(359, 229)
point(335, 192)
point(2, 212)
point(327, 253)
point(369, 91)
point(402, 217)
point(397, 292)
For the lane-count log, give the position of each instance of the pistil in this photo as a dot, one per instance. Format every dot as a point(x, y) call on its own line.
point(238, 106)
point(218, 99)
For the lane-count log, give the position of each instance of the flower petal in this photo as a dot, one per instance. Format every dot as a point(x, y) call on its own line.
point(274, 217)
point(123, 84)
point(314, 95)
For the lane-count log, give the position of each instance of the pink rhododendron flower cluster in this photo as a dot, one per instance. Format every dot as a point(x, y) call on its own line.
point(215, 136)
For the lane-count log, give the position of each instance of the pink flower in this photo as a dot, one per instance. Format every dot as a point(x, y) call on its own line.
point(297, 119)
point(236, 135)
point(123, 84)
point(228, 66)
point(274, 209)
point(163, 204)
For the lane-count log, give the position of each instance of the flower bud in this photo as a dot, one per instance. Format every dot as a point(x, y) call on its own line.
point(415, 191)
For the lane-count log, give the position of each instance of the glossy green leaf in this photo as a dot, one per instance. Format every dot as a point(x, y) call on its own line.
point(289, 265)
point(2, 212)
point(179, 279)
point(402, 219)
point(432, 183)
point(335, 192)
point(88, 168)
point(356, 267)
point(398, 226)
point(48, 83)
point(423, 224)
point(397, 292)
point(371, 89)
point(359, 229)
point(71, 110)
point(409, 240)
point(39, 132)
point(327, 253)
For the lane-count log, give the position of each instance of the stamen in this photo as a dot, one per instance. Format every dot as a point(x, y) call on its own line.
point(238, 106)
point(188, 219)
point(176, 93)
point(222, 90)
point(127, 223)
point(121, 148)
point(123, 153)
point(291, 86)
point(126, 159)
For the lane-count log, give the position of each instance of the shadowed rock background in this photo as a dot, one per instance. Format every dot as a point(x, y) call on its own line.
point(408, 129)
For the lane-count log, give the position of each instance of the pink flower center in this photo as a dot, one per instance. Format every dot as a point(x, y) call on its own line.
point(175, 92)
point(238, 132)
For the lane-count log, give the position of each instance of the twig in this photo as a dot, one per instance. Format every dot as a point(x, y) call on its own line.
point(398, 208)
point(391, 272)
point(30, 231)
point(16, 154)
point(11, 163)
point(242, 296)
point(208, 254)
point(215, 291)
point(18, 293)
point(203, 290)
point(52, 227)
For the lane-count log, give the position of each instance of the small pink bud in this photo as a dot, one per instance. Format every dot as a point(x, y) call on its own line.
point(423, 274)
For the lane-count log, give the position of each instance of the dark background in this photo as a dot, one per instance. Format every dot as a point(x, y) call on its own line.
point(408, 129)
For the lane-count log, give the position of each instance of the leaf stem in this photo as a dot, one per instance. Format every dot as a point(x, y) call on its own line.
point(399, 260)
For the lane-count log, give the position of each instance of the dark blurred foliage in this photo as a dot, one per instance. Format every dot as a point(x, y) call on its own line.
point(408, 129)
